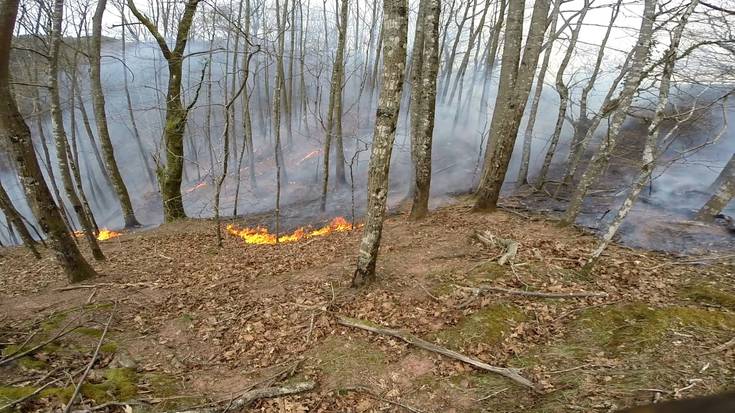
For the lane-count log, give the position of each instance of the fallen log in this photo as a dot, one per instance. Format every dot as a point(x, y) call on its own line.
point(510, 373)
point(510, 246)
point(541, 294)
point(263, 393)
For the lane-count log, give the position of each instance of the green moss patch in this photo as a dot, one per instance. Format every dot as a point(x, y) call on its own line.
point(487, 326)
point(345, 361)
point(709, 294)
point(638, 327)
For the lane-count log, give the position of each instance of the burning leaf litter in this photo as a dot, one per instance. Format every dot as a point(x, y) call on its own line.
point(260, 235)
point(103, 235)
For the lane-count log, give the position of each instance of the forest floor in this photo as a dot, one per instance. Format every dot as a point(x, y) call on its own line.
point(194, 325)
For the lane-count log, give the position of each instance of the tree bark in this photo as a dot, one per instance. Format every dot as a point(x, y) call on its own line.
point(100, 118)
point(512, 97)
point(170, 175)
point(62, 150)
point(619, 114)
point(528, 134)
point(15, 131)
point(719, 200)
point(395, 27)
point(423, 111)
point(14, 219)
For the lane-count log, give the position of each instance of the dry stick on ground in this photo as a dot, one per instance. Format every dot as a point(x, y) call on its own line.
point(377, 396)
point(510, 246)
point(510, 373)
point(83, 286)
point(541, 294)
point(29, 396)
point(264, 393)
point(64, 331)
point(91, 363)
point(722, 347)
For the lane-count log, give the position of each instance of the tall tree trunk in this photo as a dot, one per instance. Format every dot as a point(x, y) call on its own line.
point(169, 176)
point(619, 114)
point(512, 98)
point(563, 90)
point(650, 151)
point(15, 131)
point(129, 101)
point(727, 172)
point(528, 134)
point(395, 27)
point(423, 111)
point(719, 200)
point(492, 54)
point(57, 120)
point(335, 106)
point(100, 117)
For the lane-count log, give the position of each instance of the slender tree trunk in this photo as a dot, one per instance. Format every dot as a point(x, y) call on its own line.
point(650, 155)
point(511, 100)
point(424, 91)
point(619, 114)
point(528, 134)
point(335, 106)
point(491, 55)
point(719, 200)
point(563, 90)
point(129, 101)
point(100, 117)
point(14, 219)
point(15, 131)
point(62, 151)
point(395, 27)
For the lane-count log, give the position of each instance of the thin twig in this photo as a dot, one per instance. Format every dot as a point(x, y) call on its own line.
point(78, 387)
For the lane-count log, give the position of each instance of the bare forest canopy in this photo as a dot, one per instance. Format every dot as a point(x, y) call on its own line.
point(610, 114)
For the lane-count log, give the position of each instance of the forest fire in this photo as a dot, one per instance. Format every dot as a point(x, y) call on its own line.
point(308, 156)
point(195, 187)
point(261, 235)
point(103, 235)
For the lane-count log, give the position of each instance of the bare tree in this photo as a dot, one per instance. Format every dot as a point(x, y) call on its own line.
point(17, 135)
point(511, 100)
point(170, 175)
point(395, 28)
point(618, 114)
point(423, 102)
point(100, 117)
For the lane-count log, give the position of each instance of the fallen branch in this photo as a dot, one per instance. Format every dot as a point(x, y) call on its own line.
point(78, 387)
point(722, 347)
point(541, 294)
point(490, 240)
point(57, 336)
point(263, 393)
point(83, 286)
point(29, 396)
point(510, 373)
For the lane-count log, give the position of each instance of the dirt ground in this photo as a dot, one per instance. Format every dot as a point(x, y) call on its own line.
point(194, 325)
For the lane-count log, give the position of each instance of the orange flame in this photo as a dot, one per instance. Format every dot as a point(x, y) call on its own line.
point(195, 187)
point(261, 235)
point(308, 156)
point(103, 235)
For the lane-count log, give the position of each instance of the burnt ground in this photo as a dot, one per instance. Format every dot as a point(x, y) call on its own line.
point(193, 324)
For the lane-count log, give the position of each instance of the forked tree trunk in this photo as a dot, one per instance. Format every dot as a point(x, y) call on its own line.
point(619, 114)
point(100, 118)
point(512, 98)
point(169, 176)
point(423, 111)
point(650, 151)
point(533, 112)
point(57, 120)
point(16, 133)
point(334, 109)
point(563, 90)
point(395, 27)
